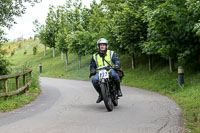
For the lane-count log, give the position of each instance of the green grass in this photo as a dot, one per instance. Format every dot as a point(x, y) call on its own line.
point(159, 79)
point(21, 99)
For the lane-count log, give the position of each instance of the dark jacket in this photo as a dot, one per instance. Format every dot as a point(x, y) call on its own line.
point(115, 60)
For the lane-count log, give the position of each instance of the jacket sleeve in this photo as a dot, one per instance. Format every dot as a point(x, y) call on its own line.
point(93, 64)
point(115, 60)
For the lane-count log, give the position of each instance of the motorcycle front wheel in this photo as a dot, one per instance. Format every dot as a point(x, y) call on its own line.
point(106, 97)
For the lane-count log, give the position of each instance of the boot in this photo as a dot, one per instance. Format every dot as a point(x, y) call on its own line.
point(99, 99)
point(119, 92)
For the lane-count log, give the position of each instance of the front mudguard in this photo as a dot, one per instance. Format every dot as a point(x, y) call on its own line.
point(102, 81)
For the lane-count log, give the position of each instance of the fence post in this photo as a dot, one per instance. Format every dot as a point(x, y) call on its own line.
point(6, 87)
point(24, 82)
point(29, 79)
point(17, 82)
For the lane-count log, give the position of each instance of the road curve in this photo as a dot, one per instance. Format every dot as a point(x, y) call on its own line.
point(68, 106)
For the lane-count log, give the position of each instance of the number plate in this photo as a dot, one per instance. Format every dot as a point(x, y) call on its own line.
point(103, 74)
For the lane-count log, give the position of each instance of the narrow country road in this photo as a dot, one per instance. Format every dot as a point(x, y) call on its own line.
point(68, 106)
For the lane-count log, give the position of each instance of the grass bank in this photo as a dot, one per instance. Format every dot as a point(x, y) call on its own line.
point(21, 99)
point(159, 79)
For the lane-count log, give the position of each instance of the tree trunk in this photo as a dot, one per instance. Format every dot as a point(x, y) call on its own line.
point(61, 55)
point(133, 61)
point(171, 64)
point(79, 61)
point(67, 61)
point(45, 47)
point(39, 45)
point(150, 63)
point(53, 52)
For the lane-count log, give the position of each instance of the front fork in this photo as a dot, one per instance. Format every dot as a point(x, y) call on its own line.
point(105, 81)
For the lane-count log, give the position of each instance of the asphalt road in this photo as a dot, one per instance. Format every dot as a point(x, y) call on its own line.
point(68, 106)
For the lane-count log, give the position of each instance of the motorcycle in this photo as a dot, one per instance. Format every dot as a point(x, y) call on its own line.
point(108, 88)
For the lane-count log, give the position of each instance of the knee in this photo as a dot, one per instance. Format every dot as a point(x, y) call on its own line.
point(95, 80)
point(115, 76)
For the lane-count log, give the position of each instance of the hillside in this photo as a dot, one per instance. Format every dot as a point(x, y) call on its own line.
point(159, 79)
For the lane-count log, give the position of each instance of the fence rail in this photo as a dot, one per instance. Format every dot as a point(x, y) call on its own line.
point(18, 90)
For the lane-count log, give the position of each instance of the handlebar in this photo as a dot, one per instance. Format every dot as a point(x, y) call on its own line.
point(105, 67)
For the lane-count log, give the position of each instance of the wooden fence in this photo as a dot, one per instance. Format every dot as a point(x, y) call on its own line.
point(25, 87)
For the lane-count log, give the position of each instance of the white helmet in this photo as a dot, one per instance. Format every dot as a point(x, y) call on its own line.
point(102, 40)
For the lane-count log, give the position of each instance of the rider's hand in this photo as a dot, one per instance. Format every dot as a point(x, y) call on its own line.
point(93, 72)
point(116, 67)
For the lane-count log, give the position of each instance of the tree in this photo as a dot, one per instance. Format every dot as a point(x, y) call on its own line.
point(37, 29)
point(43, 36)
point(52, 27)
point(79, 38)
point(10, 9)
point(78, 41)
point(170, 32)
point(129, 27)
point(64, 29)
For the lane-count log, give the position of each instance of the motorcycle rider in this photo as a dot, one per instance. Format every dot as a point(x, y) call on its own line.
point(100, 59)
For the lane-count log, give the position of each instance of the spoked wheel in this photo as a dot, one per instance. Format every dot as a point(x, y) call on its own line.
point(106, 97)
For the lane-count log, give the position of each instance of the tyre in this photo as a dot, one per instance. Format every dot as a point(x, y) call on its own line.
point(106, 97)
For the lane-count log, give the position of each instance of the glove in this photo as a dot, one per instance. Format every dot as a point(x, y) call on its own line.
point(116, 67)
point(92, 72)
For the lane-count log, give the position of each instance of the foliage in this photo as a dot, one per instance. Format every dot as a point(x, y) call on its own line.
point(37, 29)
point(4, 66)
point(64, 28)
point(10, 9)
point(12, 53)
point(25, 52)
point(34, 50)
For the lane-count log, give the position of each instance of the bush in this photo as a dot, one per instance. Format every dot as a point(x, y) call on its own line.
point(4, 66)
point(25, 52)
point(34, 50)
point(13, 52)
point(20, 45)
point(34, 76)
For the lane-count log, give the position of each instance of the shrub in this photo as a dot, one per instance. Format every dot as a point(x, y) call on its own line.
point(25, 52)
point(13, 52)
point(4, 66)
point(19, 45)
point(34, 50)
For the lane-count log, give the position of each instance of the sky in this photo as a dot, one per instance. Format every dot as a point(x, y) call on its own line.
point(24, 26)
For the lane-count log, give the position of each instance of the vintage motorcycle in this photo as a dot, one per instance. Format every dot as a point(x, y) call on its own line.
point(108, 87)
